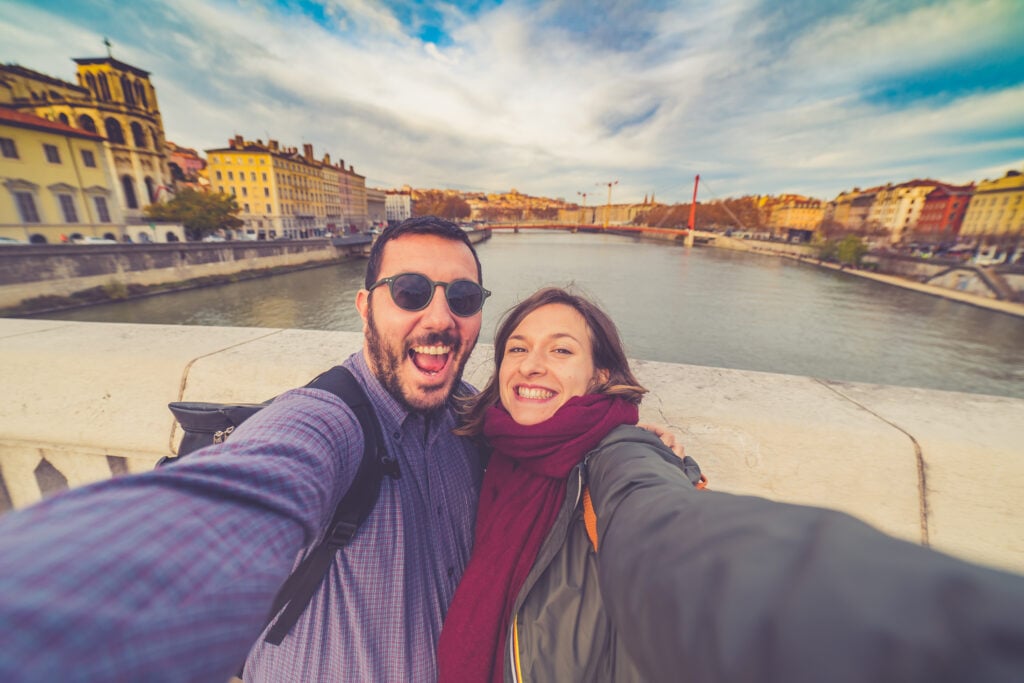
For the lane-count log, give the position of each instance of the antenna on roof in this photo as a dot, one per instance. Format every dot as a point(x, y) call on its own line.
point(106, 41)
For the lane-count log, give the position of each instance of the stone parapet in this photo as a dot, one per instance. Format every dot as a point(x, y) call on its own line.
point(85, 401)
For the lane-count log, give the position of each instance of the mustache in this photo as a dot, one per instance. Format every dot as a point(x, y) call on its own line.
point(445, 338)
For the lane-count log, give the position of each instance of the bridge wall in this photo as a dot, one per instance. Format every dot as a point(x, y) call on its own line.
point(84, 401)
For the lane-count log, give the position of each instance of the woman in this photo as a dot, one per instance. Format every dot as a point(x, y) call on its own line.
point(560, 414)
point(676, 585)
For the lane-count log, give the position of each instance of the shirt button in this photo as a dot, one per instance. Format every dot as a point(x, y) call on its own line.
point(397, 436)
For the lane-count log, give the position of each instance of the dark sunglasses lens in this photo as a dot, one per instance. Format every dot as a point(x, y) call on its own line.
point(465, 297)
point(411, 291)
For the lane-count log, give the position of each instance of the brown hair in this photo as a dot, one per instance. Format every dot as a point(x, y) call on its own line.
point(419, 225)
point(606, 347)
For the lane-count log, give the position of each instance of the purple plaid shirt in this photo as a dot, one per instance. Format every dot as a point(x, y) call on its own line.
point(97, 584)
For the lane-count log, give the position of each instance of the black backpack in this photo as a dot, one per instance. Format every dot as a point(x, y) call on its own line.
point(209, 423)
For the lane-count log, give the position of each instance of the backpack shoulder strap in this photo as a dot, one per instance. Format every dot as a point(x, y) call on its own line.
point(352, 510)
point(589, 517)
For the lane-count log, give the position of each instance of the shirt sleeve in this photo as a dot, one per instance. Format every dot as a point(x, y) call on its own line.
point(737, 588)
point(169, 575)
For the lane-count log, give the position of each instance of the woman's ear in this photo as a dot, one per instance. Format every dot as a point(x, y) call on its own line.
point(601, 377)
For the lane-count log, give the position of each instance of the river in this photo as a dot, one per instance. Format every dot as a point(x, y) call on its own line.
point(700, 305)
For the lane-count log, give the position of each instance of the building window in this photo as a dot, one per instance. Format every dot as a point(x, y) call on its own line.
point(114, 131)
point(129, 192)
point(252, 175)
point(67, 205)
point(52, 153)
point(138, 135)
point(219, 176)
point(88, 158)
point(245, 192)
point(268, 208)
point(26, 207)
point(266, 191)
point(247, 208)
point(231, 175)
point(104, 88)
point(101, 209)
point(8, 148)
point(151, 189)
point(264, 177)
point(85, 122)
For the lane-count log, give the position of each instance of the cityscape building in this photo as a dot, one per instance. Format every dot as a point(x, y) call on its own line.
point(942, 215)
point(995, 215)
point(114, 100)
point(57, 182)
point(376, 207)
point(284, 193)
point(397, 205)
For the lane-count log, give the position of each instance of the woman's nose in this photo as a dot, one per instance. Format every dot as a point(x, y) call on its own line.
point(532, 365)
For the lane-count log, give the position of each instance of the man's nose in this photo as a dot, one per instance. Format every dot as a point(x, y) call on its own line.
point(437, 315)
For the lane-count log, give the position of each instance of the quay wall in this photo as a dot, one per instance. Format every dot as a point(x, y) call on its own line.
point(85, 401)
point(64, 269)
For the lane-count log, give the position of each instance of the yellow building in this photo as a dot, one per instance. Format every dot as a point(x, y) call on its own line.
point(115, 100)
point(995, 216)
point(282, 193)
point(794, 216)
point(57, 185)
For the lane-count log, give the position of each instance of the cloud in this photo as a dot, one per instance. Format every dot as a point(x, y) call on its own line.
point(556, 97)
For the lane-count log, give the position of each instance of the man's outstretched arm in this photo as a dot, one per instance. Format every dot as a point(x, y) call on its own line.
point(169, 575)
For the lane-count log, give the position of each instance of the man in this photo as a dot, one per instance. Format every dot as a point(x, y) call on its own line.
point(235, 521)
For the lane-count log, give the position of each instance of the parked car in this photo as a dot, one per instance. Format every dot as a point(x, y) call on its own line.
point(10, 241)
point(95, 240)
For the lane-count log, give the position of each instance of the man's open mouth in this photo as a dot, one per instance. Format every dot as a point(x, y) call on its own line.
point(432, 358)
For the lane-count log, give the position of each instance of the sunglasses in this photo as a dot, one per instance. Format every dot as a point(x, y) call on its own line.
point(414, 292)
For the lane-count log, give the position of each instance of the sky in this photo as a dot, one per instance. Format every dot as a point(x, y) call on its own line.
point(560, 98)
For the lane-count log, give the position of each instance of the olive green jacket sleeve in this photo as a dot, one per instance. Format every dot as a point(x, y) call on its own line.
point(711, 587)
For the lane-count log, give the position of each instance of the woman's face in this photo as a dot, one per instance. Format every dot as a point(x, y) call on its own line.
point(548, 360)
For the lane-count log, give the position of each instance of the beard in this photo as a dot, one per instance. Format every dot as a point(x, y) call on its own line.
point(387, 359)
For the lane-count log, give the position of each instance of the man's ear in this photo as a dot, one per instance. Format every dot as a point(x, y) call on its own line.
point(363, 304)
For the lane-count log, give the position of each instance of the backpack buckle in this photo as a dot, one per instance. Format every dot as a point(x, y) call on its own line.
point(342, 533)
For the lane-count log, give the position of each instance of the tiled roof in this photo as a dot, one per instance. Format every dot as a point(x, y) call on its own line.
point(13, 117)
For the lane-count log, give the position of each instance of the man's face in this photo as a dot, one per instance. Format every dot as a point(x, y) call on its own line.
point(419, 355)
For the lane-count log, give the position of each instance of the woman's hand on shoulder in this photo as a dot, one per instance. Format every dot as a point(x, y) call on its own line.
point(667, 436)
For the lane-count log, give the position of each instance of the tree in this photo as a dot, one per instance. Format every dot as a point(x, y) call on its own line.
point(202, 213)
point(441, 204)
point(851, 250)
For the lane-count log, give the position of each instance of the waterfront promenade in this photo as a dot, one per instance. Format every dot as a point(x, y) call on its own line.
point(88, 400)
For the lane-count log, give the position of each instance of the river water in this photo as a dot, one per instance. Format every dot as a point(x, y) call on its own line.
point(702, 306)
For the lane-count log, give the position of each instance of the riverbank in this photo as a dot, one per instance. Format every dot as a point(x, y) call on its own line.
point(807, 255)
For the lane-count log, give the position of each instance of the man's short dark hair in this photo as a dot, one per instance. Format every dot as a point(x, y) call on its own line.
point(419, 225)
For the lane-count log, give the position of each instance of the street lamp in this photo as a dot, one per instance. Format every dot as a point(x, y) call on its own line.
point(608, 211)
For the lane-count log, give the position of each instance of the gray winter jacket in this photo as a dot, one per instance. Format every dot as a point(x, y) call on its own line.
point(704, 587)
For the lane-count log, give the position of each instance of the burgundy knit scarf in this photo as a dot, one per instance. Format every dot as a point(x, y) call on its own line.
point(522, 492)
